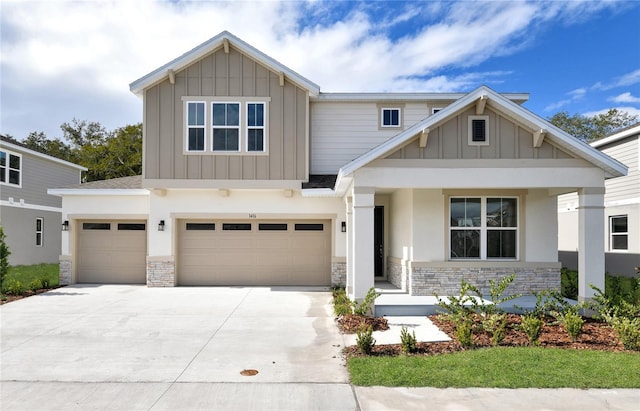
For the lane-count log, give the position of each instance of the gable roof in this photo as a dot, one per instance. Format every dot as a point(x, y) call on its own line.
point(138, 86)
point(619, 135)
point(501, 104)
point(17, 146)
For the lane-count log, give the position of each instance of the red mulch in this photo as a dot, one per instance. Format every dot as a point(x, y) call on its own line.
point(595, 336)
point(352, 323)
point(28, 293)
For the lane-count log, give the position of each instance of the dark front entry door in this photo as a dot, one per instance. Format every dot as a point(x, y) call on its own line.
point(378, 240)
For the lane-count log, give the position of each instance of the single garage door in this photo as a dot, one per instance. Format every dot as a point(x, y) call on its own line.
point(241, 252)
point(112, 252)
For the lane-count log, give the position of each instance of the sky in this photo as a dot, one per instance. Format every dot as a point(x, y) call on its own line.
point(61, 60)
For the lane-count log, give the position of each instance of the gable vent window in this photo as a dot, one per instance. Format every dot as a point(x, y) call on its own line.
point(479, 130)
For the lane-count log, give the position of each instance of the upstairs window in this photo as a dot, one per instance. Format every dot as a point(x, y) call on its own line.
point(255, 127)
point(390, 117)
point(195, 126)
point(226, 126)
point(10, 168)
point(618, 233)
point(478, 130)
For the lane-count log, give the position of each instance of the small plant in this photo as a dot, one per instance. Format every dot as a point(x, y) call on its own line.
point(4, 256)
point(461, 305)
point(341, 303)
point(464, 331)
point(44, 282)
point(14, 287)
point(366, 306)
point(573, 323)
point(532, 326)
point(35, 284)
point(496, 325)
point(365, 340)
point(628, 331)
point(409, 342)
point(497, 290)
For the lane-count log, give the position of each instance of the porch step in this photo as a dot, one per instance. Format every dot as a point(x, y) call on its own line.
point(402, 304)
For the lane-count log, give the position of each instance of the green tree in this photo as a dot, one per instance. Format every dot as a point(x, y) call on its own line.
point(591, 128)
point(39, 142)
point(4, 256)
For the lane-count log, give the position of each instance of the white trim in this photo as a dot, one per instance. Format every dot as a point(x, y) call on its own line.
point(382, 110)
point(5, 203)
point(612, 234)
point(226, 127)
point(159, 74)
point(40, 155)
point(8, 169)
point(41, 231)
point(188, 126)
point(617, 136)
point(629, 201)
point(264, 127)
point(98, 192)
point(517, 98)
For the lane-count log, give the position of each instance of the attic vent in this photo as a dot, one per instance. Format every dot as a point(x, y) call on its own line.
point(478, 130)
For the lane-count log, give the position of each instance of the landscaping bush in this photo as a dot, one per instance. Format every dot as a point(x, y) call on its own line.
point(573, 323)
point(496, 325)
point(14, 287)
point(409, 342)
point(366, 306)
point(532, 326)
point(628, 331)
point(341, 303)
point(365, 340)
point(617, 288)
point(464, 331)
point(4, 256)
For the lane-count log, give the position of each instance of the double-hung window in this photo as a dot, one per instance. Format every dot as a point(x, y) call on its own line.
point(226, 126)
point(10, 168)
point(618, 233)
point(195, 126)
point(483, 228)
point(255, 126)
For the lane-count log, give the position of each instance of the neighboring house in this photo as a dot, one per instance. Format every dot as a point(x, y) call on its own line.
point(621, 214)
point(252, 176)
point(31, 218)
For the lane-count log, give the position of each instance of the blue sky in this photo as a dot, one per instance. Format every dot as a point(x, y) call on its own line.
point(61, 60)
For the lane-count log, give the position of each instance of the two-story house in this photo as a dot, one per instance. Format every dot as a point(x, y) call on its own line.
point(622, 209)
point(252, 176)
point(31, 218)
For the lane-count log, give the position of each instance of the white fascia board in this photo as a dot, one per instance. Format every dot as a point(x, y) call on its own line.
point(612, 167)
point(24, 150)
point(319, 192)
point(616, 136)
point(138, 86)
point(97, 192)
point(360, 97)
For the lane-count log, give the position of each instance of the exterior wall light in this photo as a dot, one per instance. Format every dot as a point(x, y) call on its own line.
point(344, 227)
point(65, 225)
point(161, 225)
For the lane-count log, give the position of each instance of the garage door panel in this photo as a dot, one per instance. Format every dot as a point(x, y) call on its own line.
point(295, 252)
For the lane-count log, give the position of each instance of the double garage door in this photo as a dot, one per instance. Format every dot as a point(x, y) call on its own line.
point(112, 252)
point(253, 252)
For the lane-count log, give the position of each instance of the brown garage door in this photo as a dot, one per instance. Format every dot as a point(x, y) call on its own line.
point(240, 252)
point(112, 252)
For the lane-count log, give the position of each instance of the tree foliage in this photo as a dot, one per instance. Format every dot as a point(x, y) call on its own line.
point(106, 154)
point(591, 128)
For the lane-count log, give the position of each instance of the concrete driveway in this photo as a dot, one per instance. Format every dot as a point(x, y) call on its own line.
point(133, 347)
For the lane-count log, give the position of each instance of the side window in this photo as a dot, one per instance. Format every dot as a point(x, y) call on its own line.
point(226, 126)
point(618, 233)
point(478, 130)
point(390, 117)
point(255, 126)
point(195, 126)
point(39, 232)
point(10, 168)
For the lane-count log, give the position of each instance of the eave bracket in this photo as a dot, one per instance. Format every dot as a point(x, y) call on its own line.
point(538, 137)
point(480, 104)
point(424, 136)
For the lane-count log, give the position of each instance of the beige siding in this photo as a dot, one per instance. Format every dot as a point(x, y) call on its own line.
point(507, 140)
point(343, 131)
point(626, 187)
point(226, 75)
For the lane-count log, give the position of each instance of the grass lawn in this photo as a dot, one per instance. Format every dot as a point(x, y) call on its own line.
point(501, 367)
point(27, 273)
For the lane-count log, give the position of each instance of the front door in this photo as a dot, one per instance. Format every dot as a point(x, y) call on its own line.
point(378, 240)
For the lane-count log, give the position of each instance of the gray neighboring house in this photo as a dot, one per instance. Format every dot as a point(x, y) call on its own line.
point(31, 218)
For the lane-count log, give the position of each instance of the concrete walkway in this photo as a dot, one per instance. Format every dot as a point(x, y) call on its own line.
point(139, 348)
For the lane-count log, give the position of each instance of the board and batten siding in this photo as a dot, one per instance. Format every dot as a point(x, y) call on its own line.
point(343, 131)
point(507, 140)
point(226, 75)
point(38, 175)
point(626, 151)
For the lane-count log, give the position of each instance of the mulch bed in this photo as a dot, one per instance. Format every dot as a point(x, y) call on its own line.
point(28, 293)
point(595, 336)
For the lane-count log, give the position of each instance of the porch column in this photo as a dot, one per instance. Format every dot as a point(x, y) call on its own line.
point(362, 241)
point(349, 206)
point(590, 241)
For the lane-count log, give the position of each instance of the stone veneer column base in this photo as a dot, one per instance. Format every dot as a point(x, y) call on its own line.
point(65, 273)
point(338, 274)
point(161, 271)
point(446, 280)
point(397, 272)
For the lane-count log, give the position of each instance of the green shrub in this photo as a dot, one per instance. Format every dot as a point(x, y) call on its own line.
point(496, 290)
point(44, 282)
point(569, 283)
point(532, 326)
point(573, 323)
point(366, 306)
point(14, 287)
point(34, 285)
point(464, 331)
point(462, 305)
point(496, 325)
point(4, 256)
point(341, 303)
point(628, 331)
point(617, 288)
point(409, 342)
point(365, 340)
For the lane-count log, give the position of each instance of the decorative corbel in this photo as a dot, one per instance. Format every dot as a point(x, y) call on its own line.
point(480, 104)
point(538, 137)
point(172, 76)
point(424, 136)
point(281, 79)
point(223, 192)
point(225, 44)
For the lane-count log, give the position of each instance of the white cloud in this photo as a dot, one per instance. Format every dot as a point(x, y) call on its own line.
point(634, 111)
point(625, 98)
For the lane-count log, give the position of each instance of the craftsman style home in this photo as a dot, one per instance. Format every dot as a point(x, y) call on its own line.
point(31, 218)
point(252, 176)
